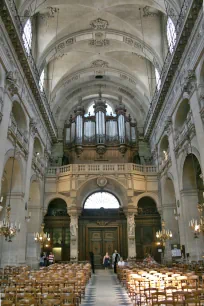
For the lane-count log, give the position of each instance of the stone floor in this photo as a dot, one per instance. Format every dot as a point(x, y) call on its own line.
point(105, 290)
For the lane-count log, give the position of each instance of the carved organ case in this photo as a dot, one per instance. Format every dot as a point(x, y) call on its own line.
point(101, 136)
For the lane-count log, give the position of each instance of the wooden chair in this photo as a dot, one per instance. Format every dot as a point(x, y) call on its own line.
point(67, 300)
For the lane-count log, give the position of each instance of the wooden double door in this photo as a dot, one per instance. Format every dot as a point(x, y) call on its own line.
point(102, 240)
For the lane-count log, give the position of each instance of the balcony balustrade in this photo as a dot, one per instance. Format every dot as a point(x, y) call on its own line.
point(101, 168)
point(187, 131)
point(17, 135)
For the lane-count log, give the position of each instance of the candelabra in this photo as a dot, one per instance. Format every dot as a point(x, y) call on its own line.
point(8, 229)
point(42, 238)
point(164, 234)
point(198, 226)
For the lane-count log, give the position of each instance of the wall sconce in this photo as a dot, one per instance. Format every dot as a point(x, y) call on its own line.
point(27, 218)
point(1, 205)
point(176, 214)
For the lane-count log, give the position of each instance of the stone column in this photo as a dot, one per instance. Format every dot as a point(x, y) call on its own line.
point(13, 253)
point(189, 211)
point(73, 236)
point(131, 235)
point(4, 124)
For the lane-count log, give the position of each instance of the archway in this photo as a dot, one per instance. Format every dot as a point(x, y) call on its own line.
point(57, 224)
point(103, 227)
point(192, 194)
point(147, 222)
point(181, 115)
point(12, 188)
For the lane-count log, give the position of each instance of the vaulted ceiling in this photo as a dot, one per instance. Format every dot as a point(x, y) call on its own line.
point(84, 45)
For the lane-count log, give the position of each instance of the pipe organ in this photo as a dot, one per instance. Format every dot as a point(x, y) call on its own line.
point(102, 132)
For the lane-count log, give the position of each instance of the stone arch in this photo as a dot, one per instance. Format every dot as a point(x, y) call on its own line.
point(18, 168)
point(57, 207)
point(52, 197)
point(146, 203)
point(19, 117)
point(113, 186)
point(151, 195)
point(181, 114)
point(164, 148)
point(37, 147)
point(191, 174)
point(190, 150)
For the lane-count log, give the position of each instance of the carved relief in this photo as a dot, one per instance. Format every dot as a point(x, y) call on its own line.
point(99, 24)
point(99, 63)
point(99, 41)
point(147, 12)
point(101, 181)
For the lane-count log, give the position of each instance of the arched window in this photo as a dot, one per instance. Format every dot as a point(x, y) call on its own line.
point(41, 81)
point(27, 35)
point(171, 34)
point(109, 110)
point(158, 80)
point(101, 199)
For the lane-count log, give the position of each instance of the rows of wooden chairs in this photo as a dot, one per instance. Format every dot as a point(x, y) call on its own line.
point(58, 284)
point(162, 286)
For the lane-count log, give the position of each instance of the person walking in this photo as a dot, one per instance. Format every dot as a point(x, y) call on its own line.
point(91, 255)
point(106, 261)
point(115, 259)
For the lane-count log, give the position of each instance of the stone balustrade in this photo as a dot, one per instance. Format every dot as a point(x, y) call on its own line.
point(15, 133)
point(187, 129)
point(101, 168)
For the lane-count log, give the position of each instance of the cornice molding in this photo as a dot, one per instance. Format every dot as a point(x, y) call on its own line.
point(173, 62)
point(13, 28)
point(178, 87)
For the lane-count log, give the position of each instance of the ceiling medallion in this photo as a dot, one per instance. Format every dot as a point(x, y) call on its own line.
point(101, 181)
point(99, 24)
point(99, 63)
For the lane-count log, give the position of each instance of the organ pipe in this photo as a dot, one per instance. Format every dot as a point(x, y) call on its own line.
point(101, 128)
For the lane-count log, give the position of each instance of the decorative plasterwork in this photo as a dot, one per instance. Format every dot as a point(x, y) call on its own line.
point(99, 41)
point(101, 181)
point(148, 13)
point(99, 24)
point(99, 63)
point(135, 42)
point(50, 14)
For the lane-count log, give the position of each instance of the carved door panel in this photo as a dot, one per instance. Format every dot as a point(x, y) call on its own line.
point(95, 244)
point(110, 241)
point(102, 240)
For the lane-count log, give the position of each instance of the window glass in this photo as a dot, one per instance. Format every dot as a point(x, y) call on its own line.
point(41, 82)
point(158, 80)
point(171, 34)
point(101, 199)
point(27, 35)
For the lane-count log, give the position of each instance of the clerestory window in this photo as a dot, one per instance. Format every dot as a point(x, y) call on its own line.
point(158, 80)
point(171, 34)
point(27, 35)
point(41, 81)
